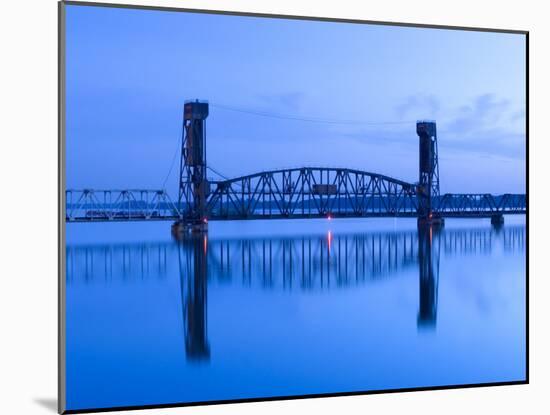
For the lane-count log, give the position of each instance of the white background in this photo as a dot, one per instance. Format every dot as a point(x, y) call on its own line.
point(28, 204)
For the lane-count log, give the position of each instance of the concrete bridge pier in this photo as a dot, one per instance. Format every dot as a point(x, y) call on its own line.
point(497, 220)
point(181, 229)
point(431, 220)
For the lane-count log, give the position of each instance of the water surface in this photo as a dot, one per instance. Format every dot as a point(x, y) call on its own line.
point(279, 308)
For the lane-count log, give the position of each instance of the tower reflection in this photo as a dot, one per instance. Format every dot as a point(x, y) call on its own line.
point(428, 274)
point(193, 285)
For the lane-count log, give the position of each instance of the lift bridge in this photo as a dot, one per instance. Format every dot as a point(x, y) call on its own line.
point(307, 192)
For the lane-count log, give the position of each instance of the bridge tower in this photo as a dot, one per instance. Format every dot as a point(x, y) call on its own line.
point(428, 173)
point(193, 184)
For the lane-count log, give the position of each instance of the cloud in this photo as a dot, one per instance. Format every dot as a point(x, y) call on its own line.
point(290, 101)
point(416, 105)
point(485, 110)
point(490, 143)
point(518, 116)
point(487, 125)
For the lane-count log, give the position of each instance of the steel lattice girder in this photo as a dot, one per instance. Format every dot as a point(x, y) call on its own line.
point(297, 192)
point(291, 193)
point(116, 205)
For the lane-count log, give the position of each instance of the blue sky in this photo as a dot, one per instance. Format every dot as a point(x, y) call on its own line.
point(130, 71)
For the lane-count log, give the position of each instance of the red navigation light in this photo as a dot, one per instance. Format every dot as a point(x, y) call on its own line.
point(329, 217)
point(205, 220)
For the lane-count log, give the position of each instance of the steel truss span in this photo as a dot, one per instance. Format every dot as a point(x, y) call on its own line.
point(311, 192)
point(480, 205)
point(90, 205)
point(308, 192)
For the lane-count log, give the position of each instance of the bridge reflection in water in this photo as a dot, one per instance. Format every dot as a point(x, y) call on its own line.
point(307, 263)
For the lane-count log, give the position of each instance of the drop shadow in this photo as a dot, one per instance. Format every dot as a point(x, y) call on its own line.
point(48, 403)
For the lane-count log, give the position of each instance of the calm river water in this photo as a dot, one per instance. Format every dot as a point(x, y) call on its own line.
point(279, 308)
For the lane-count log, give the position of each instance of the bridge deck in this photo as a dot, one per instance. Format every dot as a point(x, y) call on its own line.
point(308, 192)
point(124, 206)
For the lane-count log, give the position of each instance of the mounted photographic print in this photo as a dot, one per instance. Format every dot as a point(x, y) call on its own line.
point(258, 207)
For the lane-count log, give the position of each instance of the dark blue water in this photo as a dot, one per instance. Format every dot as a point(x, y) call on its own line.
point(262, 309)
